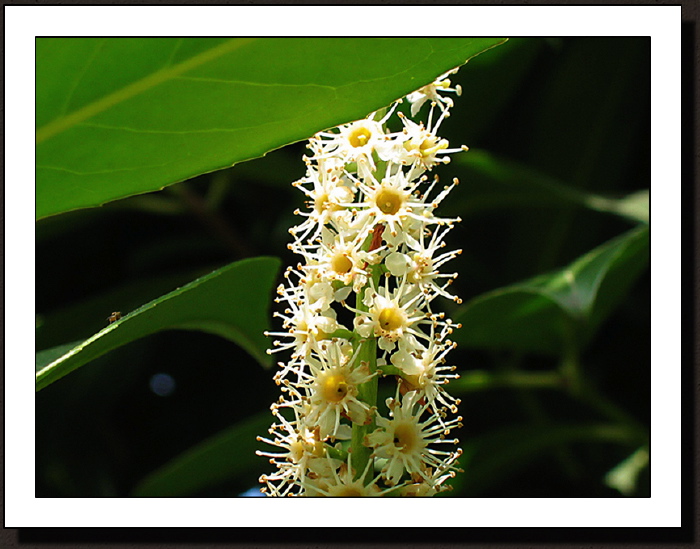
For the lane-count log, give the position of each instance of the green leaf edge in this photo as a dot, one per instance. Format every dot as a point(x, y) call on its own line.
point(530, 287)
point(509, 172)
point(44, 374)
point(619, 244)
point(56, 126)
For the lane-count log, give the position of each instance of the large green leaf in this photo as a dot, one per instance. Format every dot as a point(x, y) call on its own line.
point(231, 302)
point(123, 116)
point(215, 460)
point(492, 459)
point(539, 314)
point(492, 182)
point(79, 320)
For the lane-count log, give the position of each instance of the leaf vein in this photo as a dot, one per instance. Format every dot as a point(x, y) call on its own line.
point(135, 88)
point(251, 83)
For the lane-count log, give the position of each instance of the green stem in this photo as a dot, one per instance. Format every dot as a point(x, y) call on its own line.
point(480, 381)
point(343, 333)
point(336, 453)
point(570, 367)
point(367, 392)
point(361, 454)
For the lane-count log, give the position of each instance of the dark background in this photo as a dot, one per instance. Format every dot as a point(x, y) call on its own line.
point(576, 109)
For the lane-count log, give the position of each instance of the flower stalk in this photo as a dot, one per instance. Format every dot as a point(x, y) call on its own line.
point(370, 229)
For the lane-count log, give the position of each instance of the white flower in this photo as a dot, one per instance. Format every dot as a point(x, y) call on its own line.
point(425, 371)
point(421, 146)
point(430, 92)
point(406, 441)
point(332, 386)
point(299, 447)
point(424, 262)
point(354, 143)
point(370, 213)
point(391, 316)
point(336, 259)
point(307, 323)
point(341, 483)
point(330, 188)
point(397, 202)
point(389, 202)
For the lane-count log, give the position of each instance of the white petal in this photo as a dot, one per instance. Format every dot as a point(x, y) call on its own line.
point(343, 293)
point(386, 344)
point(322, 291)
point(405, 362)
point(397, 263)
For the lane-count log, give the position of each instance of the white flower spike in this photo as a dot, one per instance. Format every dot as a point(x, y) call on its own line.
point(361, 301)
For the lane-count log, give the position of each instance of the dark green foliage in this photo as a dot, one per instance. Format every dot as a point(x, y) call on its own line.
point(555, 347)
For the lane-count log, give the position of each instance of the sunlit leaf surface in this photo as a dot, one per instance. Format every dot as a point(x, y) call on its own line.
point(123, 116)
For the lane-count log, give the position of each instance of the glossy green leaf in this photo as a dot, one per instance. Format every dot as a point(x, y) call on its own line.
point(80, 320)
point(492, 459)
point(217, 459)
point(47, 356)
point(123, 116)
point(538, 314)
point(492, 182)
point(231, 302)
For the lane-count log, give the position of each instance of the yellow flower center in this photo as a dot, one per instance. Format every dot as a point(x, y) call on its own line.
point(391, 319)
point(359, 136)
point(431, 146)
point(333, 387)
point(428, 143)
point(323, 202)
point(407, 437)
point(388, 201)
point(341, 264)
point(302, 328)
point(426, 147)
point(414, 381)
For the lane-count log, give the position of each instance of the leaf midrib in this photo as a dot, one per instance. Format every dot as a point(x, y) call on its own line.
point(67, 121)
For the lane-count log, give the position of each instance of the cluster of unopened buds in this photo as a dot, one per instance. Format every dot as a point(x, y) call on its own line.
point(360, 309)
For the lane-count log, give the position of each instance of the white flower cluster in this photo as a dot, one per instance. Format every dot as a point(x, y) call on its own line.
point(370, 232)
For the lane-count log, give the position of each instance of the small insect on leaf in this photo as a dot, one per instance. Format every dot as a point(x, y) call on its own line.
point(116, 315)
